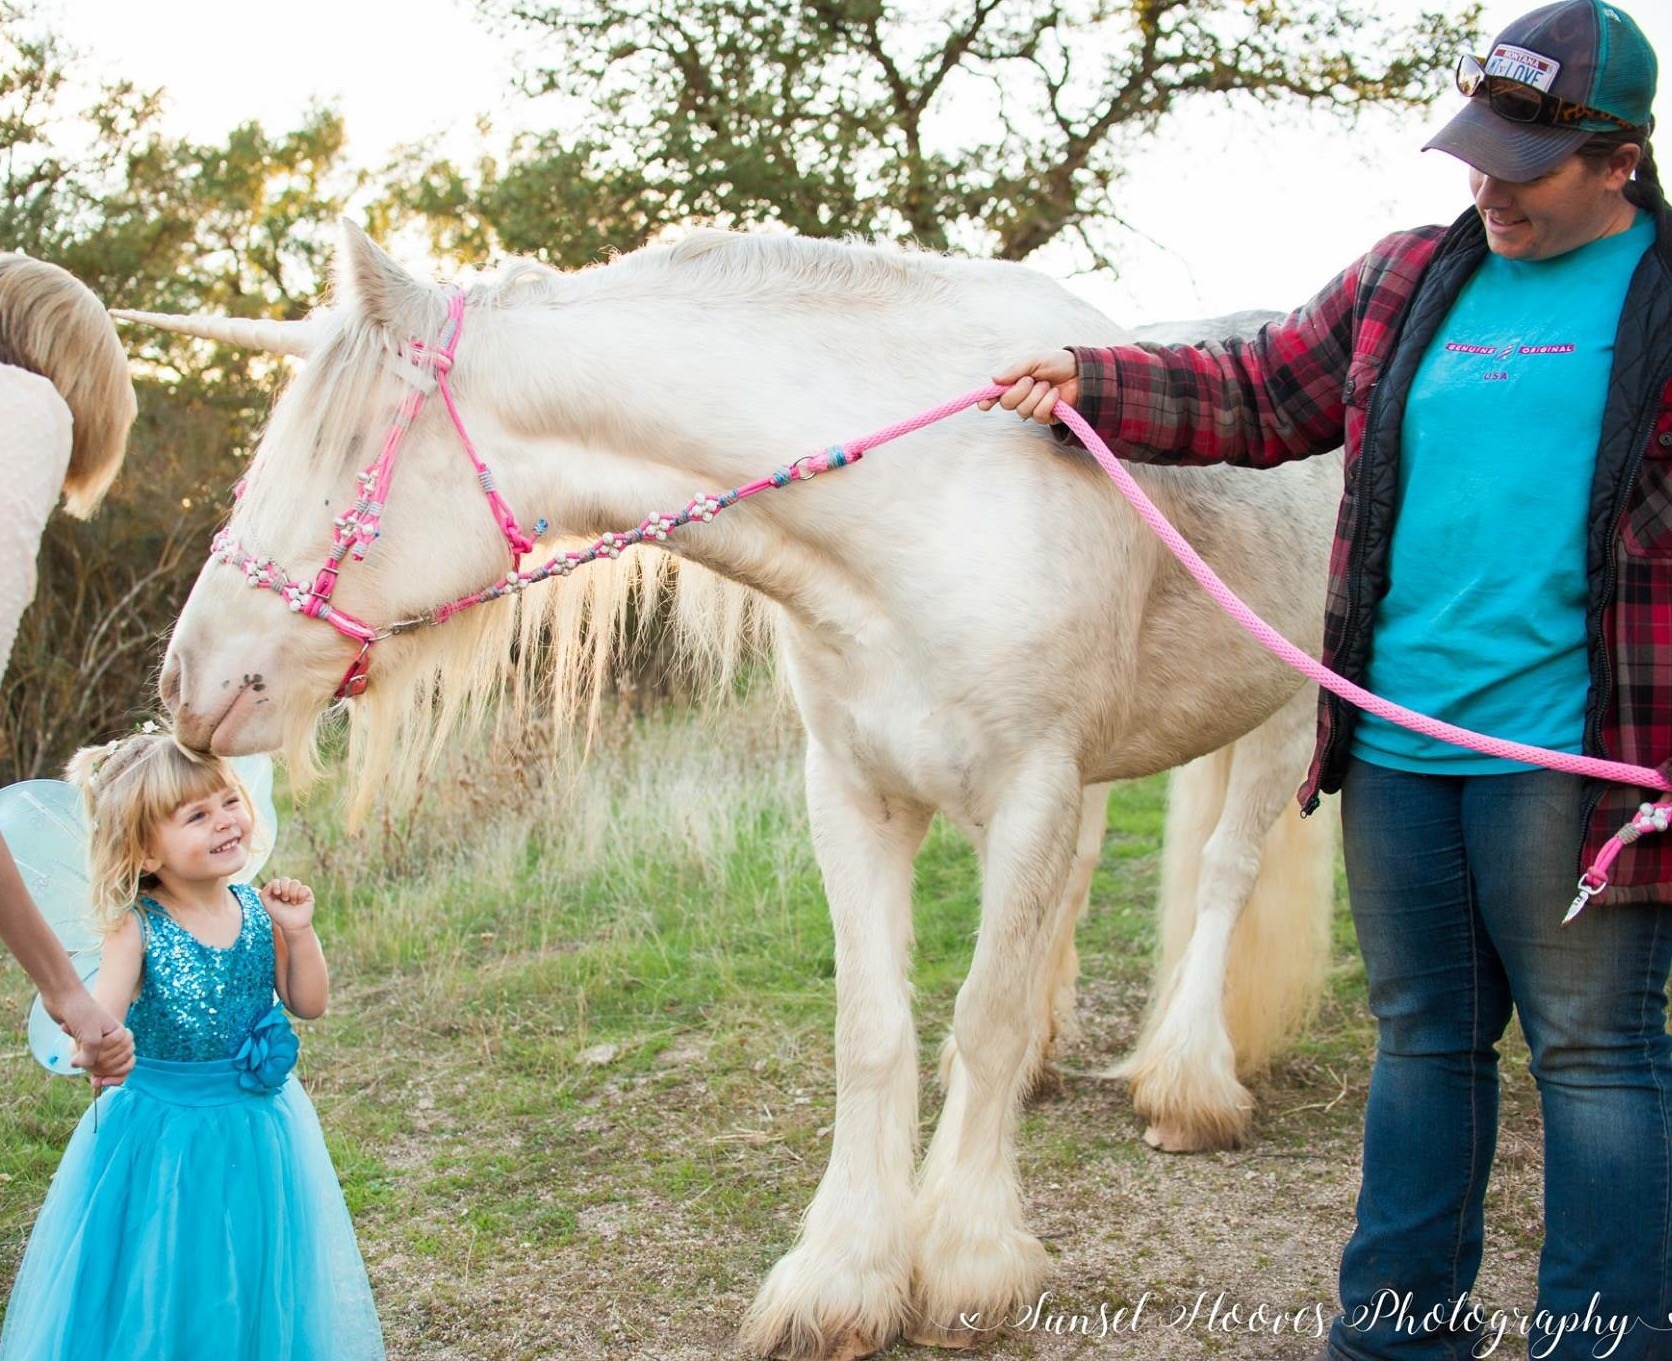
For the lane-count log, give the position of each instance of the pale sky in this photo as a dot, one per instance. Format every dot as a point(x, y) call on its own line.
point(1251, 209)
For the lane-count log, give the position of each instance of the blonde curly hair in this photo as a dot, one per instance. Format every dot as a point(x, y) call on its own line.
point(129, 787)
point(51, 324)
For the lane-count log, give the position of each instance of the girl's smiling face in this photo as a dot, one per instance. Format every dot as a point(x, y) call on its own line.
point(201, 840)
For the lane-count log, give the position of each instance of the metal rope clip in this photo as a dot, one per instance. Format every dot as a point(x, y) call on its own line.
point(1588, 889)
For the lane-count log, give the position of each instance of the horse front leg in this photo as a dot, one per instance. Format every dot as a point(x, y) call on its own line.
point(974, 1263)
point(843, 1291)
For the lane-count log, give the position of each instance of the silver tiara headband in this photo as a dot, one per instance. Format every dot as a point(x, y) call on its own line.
point(101, 771)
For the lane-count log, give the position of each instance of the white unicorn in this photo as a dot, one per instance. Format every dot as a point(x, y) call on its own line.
point(971, 621)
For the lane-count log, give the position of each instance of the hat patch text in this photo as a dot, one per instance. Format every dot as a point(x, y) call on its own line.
point(1526, 67)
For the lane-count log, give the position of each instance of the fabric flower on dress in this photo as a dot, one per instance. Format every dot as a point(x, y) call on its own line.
point(266, 1057)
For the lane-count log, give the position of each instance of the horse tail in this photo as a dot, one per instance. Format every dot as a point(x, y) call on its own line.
point(1280, 952)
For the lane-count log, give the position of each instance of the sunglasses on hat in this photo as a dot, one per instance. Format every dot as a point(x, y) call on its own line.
point(1521, 103)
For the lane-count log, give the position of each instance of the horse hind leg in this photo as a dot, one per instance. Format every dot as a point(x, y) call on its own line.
point(843, 1291)
point(974, 1264)
point(1244, 934)
point(1060, 999)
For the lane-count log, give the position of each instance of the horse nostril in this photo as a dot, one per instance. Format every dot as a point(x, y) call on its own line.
point(169, 684)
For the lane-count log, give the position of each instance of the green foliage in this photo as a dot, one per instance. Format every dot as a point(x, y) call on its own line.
point(993, 130)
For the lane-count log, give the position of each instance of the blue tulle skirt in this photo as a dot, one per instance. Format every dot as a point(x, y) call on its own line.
point(201, 1222)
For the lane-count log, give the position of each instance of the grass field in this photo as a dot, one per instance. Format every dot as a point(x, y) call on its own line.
point(577, 1073)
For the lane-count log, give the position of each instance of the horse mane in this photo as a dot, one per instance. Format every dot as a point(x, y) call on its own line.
point(553, 648)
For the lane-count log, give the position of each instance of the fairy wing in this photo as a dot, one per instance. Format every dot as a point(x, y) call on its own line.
point(45, 827)
point(46, 832)
point(50, 1045)
point(257, 774)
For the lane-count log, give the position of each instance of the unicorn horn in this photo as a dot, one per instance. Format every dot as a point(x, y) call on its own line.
point(250, 333)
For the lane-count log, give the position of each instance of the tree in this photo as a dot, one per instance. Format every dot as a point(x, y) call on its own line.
point(152, 222)
point(993, 130)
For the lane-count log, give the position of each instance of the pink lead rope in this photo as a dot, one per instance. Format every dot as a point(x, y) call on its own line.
point(1650, 817)
point(425, 367)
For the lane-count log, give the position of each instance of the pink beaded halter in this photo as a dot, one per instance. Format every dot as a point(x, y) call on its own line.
point(425, 368)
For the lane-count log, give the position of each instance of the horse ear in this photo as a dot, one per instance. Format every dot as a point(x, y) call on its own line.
point(384, 293)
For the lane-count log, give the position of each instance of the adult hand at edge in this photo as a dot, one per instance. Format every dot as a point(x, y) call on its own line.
point(104, 1047)
point(1036, 385)
point(100, 1037)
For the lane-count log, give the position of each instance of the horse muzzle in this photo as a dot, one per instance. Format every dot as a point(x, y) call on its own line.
point(220, 704)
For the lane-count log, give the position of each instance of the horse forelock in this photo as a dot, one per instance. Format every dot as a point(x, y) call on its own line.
point(316, 433)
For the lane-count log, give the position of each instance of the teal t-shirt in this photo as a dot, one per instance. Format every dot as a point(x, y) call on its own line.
point(1483, 624)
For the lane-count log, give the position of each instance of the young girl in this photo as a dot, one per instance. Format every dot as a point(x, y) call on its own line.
point(195, 1215)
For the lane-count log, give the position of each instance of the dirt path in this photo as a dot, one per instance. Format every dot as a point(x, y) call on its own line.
point(1230, 1254)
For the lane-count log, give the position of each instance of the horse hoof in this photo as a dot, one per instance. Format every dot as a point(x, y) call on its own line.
point(850, 1347)
point(968, 1286)
point(951, 1339)
point(1166, 1137)
point(807, 1310)
point(846, 1346)
point(1192, 1102)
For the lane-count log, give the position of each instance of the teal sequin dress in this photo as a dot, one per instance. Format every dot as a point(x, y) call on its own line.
point(201, 1220)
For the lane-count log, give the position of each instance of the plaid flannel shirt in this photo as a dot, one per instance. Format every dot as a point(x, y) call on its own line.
point(1337, 373)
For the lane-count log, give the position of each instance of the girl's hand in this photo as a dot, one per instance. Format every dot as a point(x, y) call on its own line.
point(1037, 385)
point(290, 903)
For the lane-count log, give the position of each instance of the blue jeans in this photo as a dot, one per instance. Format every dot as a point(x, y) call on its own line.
point(1458, 885)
